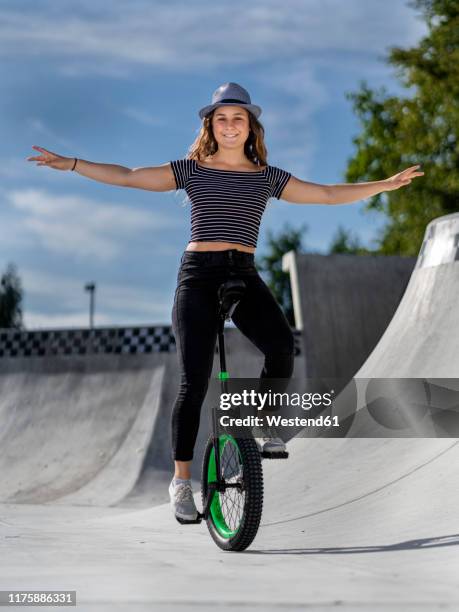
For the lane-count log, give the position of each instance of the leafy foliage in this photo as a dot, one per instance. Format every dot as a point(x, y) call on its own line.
point(345, 242)
point(398, 132)
point(10, 299)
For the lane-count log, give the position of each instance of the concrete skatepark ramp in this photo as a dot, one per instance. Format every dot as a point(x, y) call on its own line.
point(87, 424)
point(342, 305)
point(423, 336)
point(348, 524)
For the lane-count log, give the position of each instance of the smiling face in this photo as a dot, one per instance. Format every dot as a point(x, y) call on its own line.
point(231, 126)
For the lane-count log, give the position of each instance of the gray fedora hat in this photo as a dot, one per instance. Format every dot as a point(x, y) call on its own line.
point(230, 94)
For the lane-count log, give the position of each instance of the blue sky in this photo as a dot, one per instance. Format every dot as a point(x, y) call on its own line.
point(122, 82)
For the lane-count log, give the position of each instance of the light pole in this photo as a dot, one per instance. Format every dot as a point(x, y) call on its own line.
point(91, 287)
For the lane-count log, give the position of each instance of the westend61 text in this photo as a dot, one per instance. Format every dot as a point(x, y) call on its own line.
point(278, 421)
point(259, 400)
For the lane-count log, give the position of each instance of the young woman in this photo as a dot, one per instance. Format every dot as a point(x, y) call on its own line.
point(228, 180)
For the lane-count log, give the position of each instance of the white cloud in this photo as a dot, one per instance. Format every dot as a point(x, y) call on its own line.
point(115, 304)
point(203, 35)
point(291, 120)
point(79, 226)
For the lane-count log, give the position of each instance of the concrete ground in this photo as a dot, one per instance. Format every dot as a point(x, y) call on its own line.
point(338, 532)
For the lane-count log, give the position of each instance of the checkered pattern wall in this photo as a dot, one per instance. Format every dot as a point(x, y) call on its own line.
point(15, 343)
point(134, 340)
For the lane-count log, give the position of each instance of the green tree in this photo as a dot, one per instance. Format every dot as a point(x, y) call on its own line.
point(398, 132)
point(288, 239)
point(10, 299)
point(345, 242)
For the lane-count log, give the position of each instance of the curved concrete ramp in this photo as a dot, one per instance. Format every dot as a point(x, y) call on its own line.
point(76, 431)
point(342, 304)
point(422, 338)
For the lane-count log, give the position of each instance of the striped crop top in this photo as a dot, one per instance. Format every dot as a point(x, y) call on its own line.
point(227, 205)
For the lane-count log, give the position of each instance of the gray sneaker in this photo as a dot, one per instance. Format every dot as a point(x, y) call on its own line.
point(270, 445)
point(182, 501)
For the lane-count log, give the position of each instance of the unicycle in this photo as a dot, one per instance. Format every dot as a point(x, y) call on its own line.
point(232, 477)
point(231, 473)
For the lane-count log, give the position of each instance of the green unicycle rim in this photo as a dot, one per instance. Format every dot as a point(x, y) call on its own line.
point(216, 510)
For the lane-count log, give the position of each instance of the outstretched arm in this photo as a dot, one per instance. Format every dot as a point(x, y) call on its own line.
point(303, 192)
point(155, 178)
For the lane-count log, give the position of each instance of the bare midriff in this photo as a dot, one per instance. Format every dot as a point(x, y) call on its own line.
point(218, 246)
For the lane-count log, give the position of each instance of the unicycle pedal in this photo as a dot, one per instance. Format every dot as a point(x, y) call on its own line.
point(274, 455)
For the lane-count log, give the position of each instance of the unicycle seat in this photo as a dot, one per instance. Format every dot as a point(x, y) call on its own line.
point(229, 295)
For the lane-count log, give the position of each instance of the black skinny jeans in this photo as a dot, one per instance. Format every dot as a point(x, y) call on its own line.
point(195, 325)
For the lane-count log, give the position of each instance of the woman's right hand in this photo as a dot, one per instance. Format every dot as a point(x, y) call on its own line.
point(53, 160)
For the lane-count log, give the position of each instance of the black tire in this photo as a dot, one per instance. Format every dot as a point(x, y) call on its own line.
point(235, 515)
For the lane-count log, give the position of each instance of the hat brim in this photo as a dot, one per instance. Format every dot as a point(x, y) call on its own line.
point(252, 108)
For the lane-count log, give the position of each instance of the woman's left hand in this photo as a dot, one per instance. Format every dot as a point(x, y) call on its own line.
point(402, 178)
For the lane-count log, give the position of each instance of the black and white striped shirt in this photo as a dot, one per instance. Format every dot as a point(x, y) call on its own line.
point(227, 205)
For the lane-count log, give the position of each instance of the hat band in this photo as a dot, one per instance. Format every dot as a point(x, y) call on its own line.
point(232, 100)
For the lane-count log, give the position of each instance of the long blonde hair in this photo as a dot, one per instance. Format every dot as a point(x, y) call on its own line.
point(254, 147)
